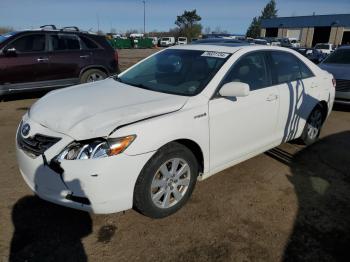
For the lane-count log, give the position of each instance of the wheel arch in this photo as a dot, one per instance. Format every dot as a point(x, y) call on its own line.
point(324, 107)
point(195, 149)
point(99, 67)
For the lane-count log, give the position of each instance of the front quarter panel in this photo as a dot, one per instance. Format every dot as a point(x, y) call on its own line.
point(191, 122)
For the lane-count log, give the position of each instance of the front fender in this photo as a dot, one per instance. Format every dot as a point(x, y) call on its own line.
point(152, 134)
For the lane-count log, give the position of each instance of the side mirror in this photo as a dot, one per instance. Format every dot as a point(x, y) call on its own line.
point(234, 89)
point(10, 52)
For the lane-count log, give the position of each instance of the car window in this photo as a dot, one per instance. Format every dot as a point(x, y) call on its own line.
point(252, 70)
point(88, 43)
point(340, 56)
point(64, 42)
point(29, 43)
point(286, 67)
point(305, 71)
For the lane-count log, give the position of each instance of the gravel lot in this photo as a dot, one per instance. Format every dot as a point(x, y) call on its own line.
point(289, 204)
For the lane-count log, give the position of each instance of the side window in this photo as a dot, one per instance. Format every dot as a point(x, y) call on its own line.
point(61, 42)
point(305, 71)
point(252, 70)
point(88, 43)
point(286, 67)
point(30, 43)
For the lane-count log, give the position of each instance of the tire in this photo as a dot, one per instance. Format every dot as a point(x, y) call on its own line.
point(313, 126)
point(92, 75)
point(159, 191)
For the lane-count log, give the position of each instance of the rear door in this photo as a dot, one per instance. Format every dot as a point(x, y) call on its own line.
point(67, 57)
point(296, 85)
point(26, 63)
point(243, 126)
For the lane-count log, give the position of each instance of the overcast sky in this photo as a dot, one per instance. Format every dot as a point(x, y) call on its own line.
point(231, 15)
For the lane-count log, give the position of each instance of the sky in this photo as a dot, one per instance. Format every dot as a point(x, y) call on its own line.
point(233, 16)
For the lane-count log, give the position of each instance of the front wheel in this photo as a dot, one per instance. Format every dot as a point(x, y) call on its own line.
point(313, 126)
point(166, 182)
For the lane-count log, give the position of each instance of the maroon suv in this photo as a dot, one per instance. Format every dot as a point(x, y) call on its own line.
point(49, 58)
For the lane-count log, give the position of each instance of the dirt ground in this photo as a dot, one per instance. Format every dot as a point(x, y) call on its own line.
point(289, 204)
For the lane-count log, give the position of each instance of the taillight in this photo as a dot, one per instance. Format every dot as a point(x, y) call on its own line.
point(334, 82)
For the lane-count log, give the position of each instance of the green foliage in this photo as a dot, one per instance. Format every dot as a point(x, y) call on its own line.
point(188, 24)
point(254, 28)
point(268, 12)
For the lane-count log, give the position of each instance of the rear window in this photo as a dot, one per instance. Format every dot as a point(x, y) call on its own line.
point(89, 43)
point(64, 42)
point(165, 39)
point(340, 56)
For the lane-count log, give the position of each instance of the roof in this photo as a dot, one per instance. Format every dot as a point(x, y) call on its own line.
point(307, 21)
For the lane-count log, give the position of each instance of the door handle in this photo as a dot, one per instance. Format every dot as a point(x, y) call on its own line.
point(84, 56)
point(42, 59)
point(271, 98)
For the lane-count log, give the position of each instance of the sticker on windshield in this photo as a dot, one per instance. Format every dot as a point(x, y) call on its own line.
point(215, 54)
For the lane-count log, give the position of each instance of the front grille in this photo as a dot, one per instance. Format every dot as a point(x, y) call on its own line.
point(343, 85)
point(37, 144)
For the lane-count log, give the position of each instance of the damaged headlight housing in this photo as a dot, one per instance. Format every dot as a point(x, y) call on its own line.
point(97, 148)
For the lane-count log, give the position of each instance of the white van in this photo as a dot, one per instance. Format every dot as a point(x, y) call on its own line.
point(167, 41)
point(182, 41)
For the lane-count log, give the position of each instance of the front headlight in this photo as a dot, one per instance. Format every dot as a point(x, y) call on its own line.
point(96, 148)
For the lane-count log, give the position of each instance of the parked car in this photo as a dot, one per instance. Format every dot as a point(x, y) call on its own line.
point(338, 64)
point(325, 48)
point(217, 40)
point(261, 42)
point(294, 42)
point(182, 41)
point(167, 41)
point(285, 42)
point(312, 54)
point(49, 58)
point(144, 138)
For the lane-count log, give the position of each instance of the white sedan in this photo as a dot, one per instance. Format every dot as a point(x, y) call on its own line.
point(144, 138)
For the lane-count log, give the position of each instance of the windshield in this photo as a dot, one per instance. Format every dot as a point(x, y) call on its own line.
point(165, 39)
point(340, 56)
point(6, 36)
point(175, 71)
point(322, 47)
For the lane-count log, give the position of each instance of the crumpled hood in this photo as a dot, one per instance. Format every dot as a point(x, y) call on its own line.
point(96, 109)
point(339, 71)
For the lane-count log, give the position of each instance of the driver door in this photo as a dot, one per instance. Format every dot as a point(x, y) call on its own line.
point(241, 127)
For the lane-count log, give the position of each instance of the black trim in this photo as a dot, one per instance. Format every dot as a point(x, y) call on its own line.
point(81, 200)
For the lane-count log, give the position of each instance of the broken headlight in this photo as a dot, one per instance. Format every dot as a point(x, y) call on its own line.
point(98, 148)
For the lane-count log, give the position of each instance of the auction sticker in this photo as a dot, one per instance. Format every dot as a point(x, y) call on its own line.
point(215, 54)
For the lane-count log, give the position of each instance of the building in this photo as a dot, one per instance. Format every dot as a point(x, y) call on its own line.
point(310, 30)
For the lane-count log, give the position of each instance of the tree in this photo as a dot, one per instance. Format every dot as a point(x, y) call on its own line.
point(254, 28)
point(188, 24)
point(268, 12)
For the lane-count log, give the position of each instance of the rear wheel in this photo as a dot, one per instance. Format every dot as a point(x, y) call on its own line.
point(166, 182)
point(92, 75)
point(313, 126)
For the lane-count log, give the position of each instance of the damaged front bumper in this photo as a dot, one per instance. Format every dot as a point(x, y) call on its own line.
point(104, 185)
